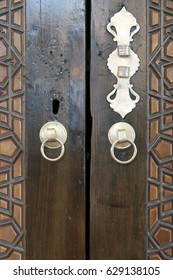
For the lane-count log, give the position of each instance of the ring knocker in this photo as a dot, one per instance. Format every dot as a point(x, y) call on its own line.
point(53, 135)
point(122, 135)
point(120, 161)
point(52, 159)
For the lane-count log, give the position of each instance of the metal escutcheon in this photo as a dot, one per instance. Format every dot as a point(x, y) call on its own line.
point(53, 135)
point(121, 136)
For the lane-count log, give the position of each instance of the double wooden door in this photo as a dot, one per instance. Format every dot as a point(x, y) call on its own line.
point(53, 58)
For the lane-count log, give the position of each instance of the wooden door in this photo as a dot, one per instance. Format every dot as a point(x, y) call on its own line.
point(85, 206)
point(132, 205)
point(42, 204)
point(117, 191)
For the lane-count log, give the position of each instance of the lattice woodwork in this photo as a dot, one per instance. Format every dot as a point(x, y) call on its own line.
point(160, 183)
point(12, 112)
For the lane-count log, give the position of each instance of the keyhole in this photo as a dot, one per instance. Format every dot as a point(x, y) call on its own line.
point(55, 106)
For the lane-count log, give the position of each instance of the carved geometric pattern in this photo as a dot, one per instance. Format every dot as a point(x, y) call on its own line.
point(12, 113)
point(160, 89)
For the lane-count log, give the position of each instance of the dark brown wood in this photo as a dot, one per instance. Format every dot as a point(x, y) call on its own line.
point(117, 191)
point(55, 68)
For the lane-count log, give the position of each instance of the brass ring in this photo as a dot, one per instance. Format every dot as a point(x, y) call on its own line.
point(120, 161)
point(52, 159)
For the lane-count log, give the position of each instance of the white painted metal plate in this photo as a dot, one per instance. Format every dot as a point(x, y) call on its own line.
point(123, 62)
point(57, 130)
point(113, 134)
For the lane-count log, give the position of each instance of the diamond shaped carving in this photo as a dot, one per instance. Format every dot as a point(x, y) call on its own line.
point(8, 232)
point(169, 74)
point(163, 235)
point(169, 47)
point(3, 49)
point(9, 148)
point(3, 73)
point(3, 4)
point(163, 149)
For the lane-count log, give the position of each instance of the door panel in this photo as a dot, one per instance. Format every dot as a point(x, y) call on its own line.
point(55, 60)
point(160, 131)
point(117, 192)
point(12, 129)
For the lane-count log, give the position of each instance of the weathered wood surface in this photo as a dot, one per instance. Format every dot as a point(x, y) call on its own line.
point(55, 68)
point(117, 191)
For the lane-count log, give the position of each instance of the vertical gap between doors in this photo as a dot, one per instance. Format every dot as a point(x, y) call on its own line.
point(88, 131)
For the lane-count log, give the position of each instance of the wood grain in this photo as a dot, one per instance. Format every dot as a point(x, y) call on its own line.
point(55, 68)
point(117, 191)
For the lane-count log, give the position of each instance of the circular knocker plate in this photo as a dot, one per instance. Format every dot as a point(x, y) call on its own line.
point(42, 149)
point(53, 135)
point(121, 136)
point(53, 130)
point(113, 135)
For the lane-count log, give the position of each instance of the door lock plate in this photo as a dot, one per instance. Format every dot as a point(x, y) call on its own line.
point(51, 131)
point(121, 132)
